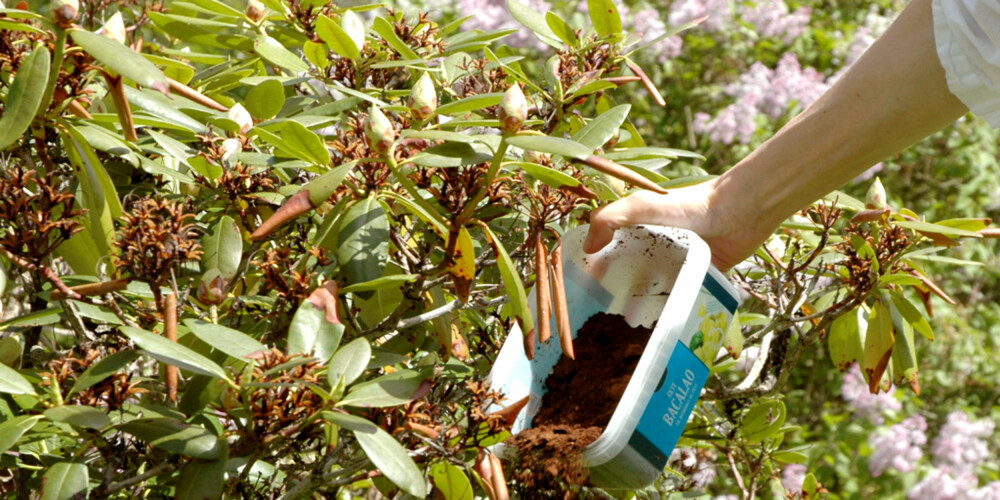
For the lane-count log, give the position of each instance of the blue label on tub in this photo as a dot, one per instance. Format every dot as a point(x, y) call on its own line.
point(663, 421)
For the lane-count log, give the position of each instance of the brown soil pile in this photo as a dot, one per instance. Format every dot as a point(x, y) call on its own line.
point(581, 397)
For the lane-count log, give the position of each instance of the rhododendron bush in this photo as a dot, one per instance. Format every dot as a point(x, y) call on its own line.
point(270, 249)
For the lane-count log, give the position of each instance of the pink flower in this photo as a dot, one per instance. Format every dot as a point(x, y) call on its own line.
point(792, 477)
point(855, 391)
point(899, 447)
point(959, 444)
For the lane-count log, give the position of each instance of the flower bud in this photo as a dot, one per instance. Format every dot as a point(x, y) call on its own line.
point(379, 130)
point(114, 28)
point(423, 97)
point(255, 10)
point(241, 116)
point(513, 109)
point(231, 148)
point(875, 198)
point(64, 12)
point(212, 288)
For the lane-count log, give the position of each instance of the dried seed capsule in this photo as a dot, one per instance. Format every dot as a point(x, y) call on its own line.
point(114, 28)
point(255, 10)
point(64, 12)
point(423, 97)
point(513, 109)
point(875, 198)
point(542, 293)
point(379, 130)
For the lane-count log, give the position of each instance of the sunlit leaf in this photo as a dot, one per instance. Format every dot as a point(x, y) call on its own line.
point(24, 96)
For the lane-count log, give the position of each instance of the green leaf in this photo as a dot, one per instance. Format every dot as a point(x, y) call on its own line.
point(203, 479)
point(103, 369)
point(223, 247)
point(512, 284)
point(173, 353)
point(232, 342)
point(304, 143)
point(904, 351)
point(795, 455)
point(337, 38)
point(935, 228)
point(451, 154)
point(549, 176)
point(388, 33)
point(121, 59)
point(846, 342)
point(364, 241)
point(310, 333)
point(535, 22)
point(551, 145)
point(763, 420)
point(275, 53)
point(471, 103)
point(393, 460)
point(433, 218)
point(879, 339)
point(164, 109)
point(392, 280)
point(912, 315)
point(602, 128)
point(349, 422)
point(562, 30)
point(11, 430)
point(349, 362)
point(79, 415)
point(24, 97)
point(354, 26)
point(65, 481)
point(99, 197)
point(451, 481)
point(607, 21)
point(174, 436)
point(388, 390)
point(900, 279)
point(13, 382)
point(265, 99)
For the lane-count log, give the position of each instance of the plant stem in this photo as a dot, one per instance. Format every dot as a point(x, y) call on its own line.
point(491, 174)
point(57, 60)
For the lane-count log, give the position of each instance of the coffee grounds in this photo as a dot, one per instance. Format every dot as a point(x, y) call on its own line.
point(581, 396)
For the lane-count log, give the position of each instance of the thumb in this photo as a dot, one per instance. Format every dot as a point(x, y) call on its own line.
point(603, 223)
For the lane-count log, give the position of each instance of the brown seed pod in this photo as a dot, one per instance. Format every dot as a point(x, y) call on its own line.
point(561, 306)
point(653, 91)
point(190, 93)
point(542, 293)
point(484, 467)
point(529, 343)
point(170, 332)
point(510, 412)
point(621, 172)
point(296, 205)
point(93, 288)
point(498, 479)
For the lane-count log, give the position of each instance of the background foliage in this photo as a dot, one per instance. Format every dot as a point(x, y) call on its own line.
point(343, 350)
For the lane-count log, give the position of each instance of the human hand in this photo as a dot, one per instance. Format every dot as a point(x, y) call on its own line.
point(728, 230)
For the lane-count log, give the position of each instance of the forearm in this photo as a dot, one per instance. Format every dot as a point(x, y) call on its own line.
point(895, 95)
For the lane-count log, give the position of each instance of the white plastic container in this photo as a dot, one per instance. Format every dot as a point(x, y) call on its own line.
point(650, 275)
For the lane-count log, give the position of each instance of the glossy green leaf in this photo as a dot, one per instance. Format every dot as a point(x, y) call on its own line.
point(24, 97)
point(349, 362)
point(763, 420)
point(534, 21)
point(79, 415)
point(733, 340)
point(551, 145)
point(310, 333)
point(364, 241)
point(904, 352)
point(121, 59)
point(562, 30)
point(451, 481)
point(275, 53)
point(879, 338)
point(99, 196)
point(103, 369)
point(393, 460)
point(847, 339)
point(13, 382)
point(11, 430)
point(935, 228)
point(549, 176)
point(912, 315)
point(65, 481)
point(163, 108)
point(605, 17)
point(232, 342)
point(223, 247)
point(512, 284)
point(265, 99)
point(349, 422)
point(337, 38)
point(173, 353)
point(433, 218)
point(392, 280)
point(602, 128)
point(354, 26)
point(203, 479)
point(388, 390)
point(452, 154)
point(388, 33)
point(470, 104)
point(304, 143)
point(174, 436)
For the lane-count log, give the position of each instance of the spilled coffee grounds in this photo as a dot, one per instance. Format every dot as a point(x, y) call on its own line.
point(581, 396)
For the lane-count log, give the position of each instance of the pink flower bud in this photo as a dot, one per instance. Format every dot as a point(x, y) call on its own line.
point(256, 10)
point(379, 130)
point(241, 116)
point(513, 109)
point(114, 28)
point(64, 12)
point(875, 198)
point(423, 97)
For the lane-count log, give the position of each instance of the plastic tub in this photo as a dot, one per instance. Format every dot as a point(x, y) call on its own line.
point(650, 275)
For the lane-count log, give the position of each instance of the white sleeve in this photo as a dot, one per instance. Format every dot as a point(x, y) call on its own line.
point(967, 35)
